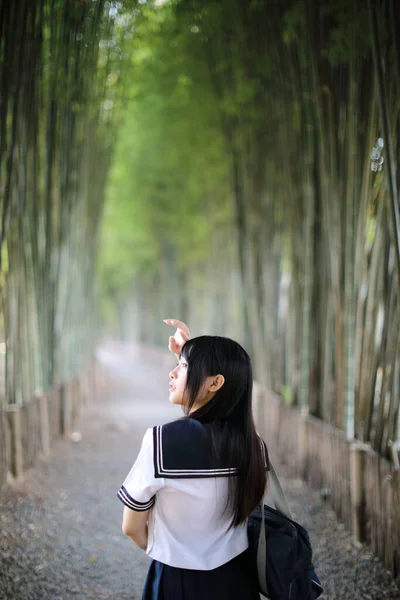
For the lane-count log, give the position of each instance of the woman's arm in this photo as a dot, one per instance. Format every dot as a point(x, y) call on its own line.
point(134, 525)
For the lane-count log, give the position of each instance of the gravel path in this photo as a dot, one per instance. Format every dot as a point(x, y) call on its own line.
point(60, 533)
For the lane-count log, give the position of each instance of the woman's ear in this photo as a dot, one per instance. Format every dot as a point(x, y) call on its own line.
point(216, 383)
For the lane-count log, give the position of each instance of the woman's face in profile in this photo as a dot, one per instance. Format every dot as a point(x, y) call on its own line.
point(177, 382)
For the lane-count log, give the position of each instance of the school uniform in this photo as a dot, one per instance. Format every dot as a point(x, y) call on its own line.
point(196, 556)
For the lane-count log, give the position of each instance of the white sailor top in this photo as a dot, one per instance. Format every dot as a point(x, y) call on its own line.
point(186, 485)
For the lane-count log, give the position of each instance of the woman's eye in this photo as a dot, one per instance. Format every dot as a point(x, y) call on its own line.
point(184, 364)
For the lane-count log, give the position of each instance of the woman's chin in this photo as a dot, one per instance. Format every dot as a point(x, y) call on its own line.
point(173, 399)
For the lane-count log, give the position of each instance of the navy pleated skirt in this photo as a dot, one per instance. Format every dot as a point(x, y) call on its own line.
point(235, 580)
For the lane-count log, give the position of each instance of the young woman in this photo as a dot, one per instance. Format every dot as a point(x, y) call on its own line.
point(196, 480)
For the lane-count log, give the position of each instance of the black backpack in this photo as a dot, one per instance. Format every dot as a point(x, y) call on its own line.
point(287, 559)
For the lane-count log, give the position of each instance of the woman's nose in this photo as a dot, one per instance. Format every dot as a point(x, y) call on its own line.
point(172, 374)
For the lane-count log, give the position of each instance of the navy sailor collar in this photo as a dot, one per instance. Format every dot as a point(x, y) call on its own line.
point(183, 449)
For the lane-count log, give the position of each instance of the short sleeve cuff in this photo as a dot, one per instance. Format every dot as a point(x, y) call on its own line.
point(132, 503)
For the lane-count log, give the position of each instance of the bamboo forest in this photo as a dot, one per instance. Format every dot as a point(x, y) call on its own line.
point(234, 164)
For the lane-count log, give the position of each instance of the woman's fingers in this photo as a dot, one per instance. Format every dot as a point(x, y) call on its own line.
point(184, 335)
point(173, 346)
point(179, 325)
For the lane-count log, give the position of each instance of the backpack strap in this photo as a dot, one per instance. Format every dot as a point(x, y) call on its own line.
point(279, 499)
point(277, 494)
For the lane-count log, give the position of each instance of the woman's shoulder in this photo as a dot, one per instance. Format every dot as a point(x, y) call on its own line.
point(184, 435)
point(184, 449)
point(181, 426)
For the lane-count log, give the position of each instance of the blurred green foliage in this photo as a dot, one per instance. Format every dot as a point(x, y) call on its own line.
point(168, 185)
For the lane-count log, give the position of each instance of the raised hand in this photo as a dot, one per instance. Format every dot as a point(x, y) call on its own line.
point(182, 334)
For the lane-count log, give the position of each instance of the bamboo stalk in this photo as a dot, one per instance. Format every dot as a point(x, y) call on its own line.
point(383, 104)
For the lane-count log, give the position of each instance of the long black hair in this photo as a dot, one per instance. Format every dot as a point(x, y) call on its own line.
point(231, 410)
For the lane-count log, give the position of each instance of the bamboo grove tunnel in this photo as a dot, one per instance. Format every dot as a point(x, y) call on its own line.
point(234, 164)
